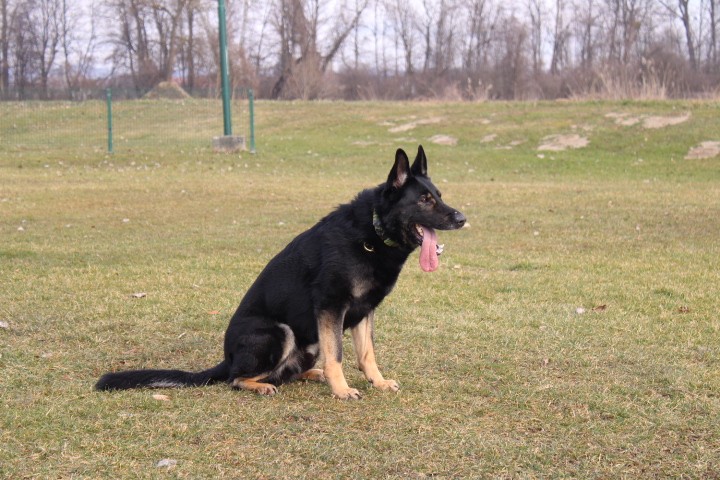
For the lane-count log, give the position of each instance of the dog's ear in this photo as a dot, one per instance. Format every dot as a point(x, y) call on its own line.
point(419, 166)
point(400, 171)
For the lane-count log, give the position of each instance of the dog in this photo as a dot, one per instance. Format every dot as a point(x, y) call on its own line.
point(328, 279)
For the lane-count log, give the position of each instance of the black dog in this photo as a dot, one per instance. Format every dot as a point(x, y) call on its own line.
point(328, 279)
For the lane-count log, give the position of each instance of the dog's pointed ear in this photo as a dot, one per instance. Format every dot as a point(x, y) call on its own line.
point(400, 171)
point(419, 166)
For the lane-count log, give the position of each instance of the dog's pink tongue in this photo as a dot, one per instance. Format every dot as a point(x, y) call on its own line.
point(428, 250)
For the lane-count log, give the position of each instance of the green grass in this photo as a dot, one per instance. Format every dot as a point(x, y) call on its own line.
point(501, 376)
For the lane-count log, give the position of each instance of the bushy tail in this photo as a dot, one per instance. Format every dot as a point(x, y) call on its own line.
point(162, 378)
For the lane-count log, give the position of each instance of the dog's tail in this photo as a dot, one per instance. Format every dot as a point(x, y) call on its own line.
point(163, 378)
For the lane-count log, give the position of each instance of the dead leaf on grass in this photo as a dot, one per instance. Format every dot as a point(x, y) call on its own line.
point(160, 397)
point(600, 308)
point(683, 309)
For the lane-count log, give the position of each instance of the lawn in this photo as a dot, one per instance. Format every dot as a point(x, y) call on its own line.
point(572, 329)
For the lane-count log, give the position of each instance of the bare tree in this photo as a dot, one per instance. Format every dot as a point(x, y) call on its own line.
point(23, 55)
point(78, 50)
point(681, 10)
point(536, 14)
point(560, 39)
point(303, 61)
point(412, 48)
point(424, 25)
point(4, 48)
point(46, 33)
point(167, 15)
point(586, 21)
point(261, 52)
point(482, 20)
point(403, 17)
point(379, 38)
point(438, 32)
point(188, 46)
point(132, 42)
point(713, 7)
point(625, 20)
point(511, 62)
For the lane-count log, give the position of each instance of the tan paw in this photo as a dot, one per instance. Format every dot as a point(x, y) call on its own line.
point(314, 374)
point(254, 386)
point(386, 385)
point(266, 389)
point(347, 394)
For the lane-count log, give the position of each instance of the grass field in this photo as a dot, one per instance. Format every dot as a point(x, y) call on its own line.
point(572, 330)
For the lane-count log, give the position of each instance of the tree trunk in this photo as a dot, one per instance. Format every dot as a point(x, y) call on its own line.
point(4, 51)
point(191, 49)
point(713, 36)
point(685, 18)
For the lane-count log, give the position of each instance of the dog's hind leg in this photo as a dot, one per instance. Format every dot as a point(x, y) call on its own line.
point(260, 357)
point(310, 356)
point(255, 385)
point(362, 335)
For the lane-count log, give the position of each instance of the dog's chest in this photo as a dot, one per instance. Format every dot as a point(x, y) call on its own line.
point(365, 296)
point(368, 291)
point(361, 287)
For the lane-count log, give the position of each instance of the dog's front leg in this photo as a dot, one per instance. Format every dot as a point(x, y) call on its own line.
point(362, 335)
point(330, 329)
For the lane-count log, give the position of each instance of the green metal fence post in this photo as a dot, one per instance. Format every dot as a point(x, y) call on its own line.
point(251, 108)
point(108, 98)
point(227, 120)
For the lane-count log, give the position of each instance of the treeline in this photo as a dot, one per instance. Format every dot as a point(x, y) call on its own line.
point(365, 49)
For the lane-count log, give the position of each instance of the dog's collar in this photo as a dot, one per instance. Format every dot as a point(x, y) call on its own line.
point(381, 232)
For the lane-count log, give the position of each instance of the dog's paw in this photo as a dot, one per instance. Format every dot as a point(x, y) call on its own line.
point(386, 385)
point(347, 394)
point(266, 389)
point(314, 375)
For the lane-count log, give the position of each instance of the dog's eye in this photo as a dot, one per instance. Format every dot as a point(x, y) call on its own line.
point(427, 199)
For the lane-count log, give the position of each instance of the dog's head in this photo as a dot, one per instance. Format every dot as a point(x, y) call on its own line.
point(415, 208)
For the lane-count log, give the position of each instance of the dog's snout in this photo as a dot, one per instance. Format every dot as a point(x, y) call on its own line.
point(458, 219)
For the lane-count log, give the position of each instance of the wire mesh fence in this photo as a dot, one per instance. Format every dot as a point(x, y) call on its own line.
point(158, 121)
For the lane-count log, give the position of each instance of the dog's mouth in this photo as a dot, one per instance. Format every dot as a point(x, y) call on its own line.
point(426, 238)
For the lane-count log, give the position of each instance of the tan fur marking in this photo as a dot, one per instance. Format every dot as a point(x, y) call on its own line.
point(253, 385)
point(360, 288)
point(288, 343)
point(330, 336)
point(362, 335)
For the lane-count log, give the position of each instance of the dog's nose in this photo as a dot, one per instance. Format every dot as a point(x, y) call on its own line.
point(458, 219)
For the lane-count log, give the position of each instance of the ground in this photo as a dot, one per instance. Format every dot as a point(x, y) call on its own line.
point(571, 330)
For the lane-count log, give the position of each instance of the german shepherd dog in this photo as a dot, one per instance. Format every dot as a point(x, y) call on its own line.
point(328, 279)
